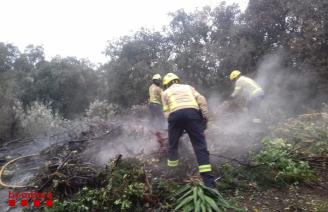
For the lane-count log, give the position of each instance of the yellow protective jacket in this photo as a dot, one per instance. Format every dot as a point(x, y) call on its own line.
point(180, 96)
point(155, 94)
point(246, 87)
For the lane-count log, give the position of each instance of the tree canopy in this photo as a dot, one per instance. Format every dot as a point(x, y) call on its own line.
point(202, 47)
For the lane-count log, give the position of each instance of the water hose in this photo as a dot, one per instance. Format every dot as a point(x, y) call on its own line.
point(8, 163)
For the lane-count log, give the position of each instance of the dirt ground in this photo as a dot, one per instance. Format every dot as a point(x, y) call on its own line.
point(292, 198)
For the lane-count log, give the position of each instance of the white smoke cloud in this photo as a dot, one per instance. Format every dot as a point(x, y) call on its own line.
point(232, 132)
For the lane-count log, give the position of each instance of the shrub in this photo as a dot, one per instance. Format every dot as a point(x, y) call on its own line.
point(121, 186)
point(102, 110)
point(39, 119)
point(279, 165)
point(307, 133)
point(233, 176)
point(9, 120)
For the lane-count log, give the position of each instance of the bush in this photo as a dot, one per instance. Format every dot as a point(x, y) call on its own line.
point(307, 133)
point(39, 119)
point(122, 187)
point(102, 110)
point(139, 110)
point(279, 165)
point(233, 176)
point(9, 120)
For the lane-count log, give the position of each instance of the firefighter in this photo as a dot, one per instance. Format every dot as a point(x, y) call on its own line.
point(186, 110)
point(155, 102)
point(248, 89)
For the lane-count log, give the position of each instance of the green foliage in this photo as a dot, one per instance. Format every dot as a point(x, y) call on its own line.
point(232, 176)
point(198, 197)
point(101, 109)
point(321, 206)
point(40, 120)
point(8, 55)
point(202, 47)
point(278, 165)
point(96, 199)
point(9, 97)
point(307, 133)
point(320, 148)
point(134, 61)
point(85, 200)
point(165, 190)
point(69, 84)
point(122, 187)
point(9, 121)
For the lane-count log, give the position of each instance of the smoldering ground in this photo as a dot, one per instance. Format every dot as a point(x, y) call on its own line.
point(136, 136)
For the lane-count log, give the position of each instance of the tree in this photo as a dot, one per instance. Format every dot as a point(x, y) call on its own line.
point(8, 55)
point(133, 62)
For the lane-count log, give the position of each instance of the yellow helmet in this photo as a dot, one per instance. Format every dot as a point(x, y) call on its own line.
point(169, 78)
point(234, 74)
point(157, 77)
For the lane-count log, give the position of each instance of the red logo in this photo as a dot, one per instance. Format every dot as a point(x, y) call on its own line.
point(38, 199)
point(24, 202)
point(49, 202)
point(37, 203)
point(11, 202)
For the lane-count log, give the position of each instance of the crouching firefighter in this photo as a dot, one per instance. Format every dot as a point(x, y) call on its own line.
point(249, 90)
point(186, 110)
point(155, 102)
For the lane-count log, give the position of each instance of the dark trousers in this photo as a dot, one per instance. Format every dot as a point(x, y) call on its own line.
point(192, 122)
point(157, 117)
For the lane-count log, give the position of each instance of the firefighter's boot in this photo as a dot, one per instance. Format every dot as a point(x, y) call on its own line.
point(208, 180)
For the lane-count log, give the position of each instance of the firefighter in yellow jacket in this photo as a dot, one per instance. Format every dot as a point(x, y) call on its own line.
point(186, 110)
point(249, 89)
point(155, 101)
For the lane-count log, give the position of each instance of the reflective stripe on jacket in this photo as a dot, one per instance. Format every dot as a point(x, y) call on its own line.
point(155, 94)
point(180, 96)
point(246, 87)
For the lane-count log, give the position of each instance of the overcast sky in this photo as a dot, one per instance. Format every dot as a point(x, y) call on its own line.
point(82, 28)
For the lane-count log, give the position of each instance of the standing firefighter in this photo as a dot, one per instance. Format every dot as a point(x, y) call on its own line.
point(250, 90)
point(186, 110)
point(155, 102)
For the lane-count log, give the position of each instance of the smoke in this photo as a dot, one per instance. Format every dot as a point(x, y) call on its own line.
point(287, 91)
point(232, 133)
point(136, 137)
